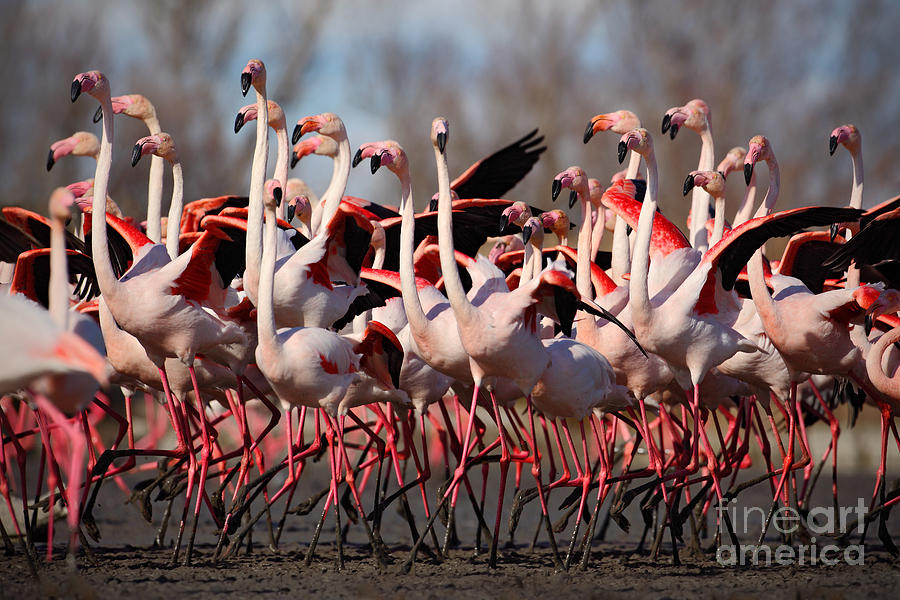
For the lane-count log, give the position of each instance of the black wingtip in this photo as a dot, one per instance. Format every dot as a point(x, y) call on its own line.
point(588, 132)
point(375, 163)
point(50, 161)
point(573, 198)
point(238, 122)
point(748, 173)
point(136, 154)
point(667, 120)
point(442, 141)
point(555, 189)
point(832, 145)
point(245, 83)
point(623, 150)
point(295, 136)
point(98, 115)
point(688, 185)
point(75, 90)
point(357, 158)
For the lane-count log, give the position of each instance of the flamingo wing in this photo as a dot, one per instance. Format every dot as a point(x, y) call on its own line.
point(876, 243)
point(624, 198)
point(38, 227)
point(494, 175)
point(32, 275)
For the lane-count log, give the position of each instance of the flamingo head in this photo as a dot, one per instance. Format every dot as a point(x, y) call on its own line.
point(638, 140)
point(846, 135)
point(758, 149)
point(533, 229)
point(94, 83)
point(595, 191)
point(711, 181)
point(136, 106)
point(694, 115)
point(516, 213)
point(572, 178)
point(440, 131)
point(556, 221)
point(80, 143)
point(61, 202)
point(80, 188)
point(300, 207)
point(328, 124)
point(253, 74)
point(620, 121)
point(250, 113)
point(273, 194)
point(379, 238)
point(388, 154)
point(876, 301)
point(161, 145)
point(435, 198)
point(732, 161)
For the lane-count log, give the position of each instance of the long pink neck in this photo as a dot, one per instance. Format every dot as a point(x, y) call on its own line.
point(173, 225)
point(699, 197)
point(889, 386)
point(265, 315)
point(762, 299)
point(746, 208)
point(418, 322)
point(583, 274)
point(638, 290)
point(856, 199)
point(281, 161)
point(621, 249)
point(155, 186)
point(59, 274)
point(253, 252)
point(331, 199)
point(462, 308)
point(719, 223)
point(99, 249)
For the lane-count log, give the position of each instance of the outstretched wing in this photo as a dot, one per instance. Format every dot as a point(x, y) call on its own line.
point(493, 176)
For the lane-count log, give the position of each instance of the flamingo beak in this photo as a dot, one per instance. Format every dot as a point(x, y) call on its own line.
point(98, 115)
point(555, 189)
point(526, 234)
point(302, 128)
point(239, 122)
point(246, 79)
point(666, 122)
point(442, 141)
point(136, 154)
point(433, 205)
point(868, 325)
point(277, 194)
point(588, 132)
point(375, 163)
point(573, 198)
point(673, 131)
point(295, 159)
point(832, 145)
point(290, 212)
point(688, 185)
point(504, 222)
point(76, 90)
point(50, 160)
point(748, 172)
point(623, 150)
point(357, 158)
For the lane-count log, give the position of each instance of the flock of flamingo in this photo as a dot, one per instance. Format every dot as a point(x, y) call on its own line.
point(268, 330)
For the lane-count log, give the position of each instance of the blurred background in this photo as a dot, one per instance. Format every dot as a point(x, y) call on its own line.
point(792, 71)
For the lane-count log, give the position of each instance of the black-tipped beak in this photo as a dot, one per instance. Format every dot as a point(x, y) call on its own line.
point(869, 322)
point(588, 132)
point(673, 131)
point(833, 230)
point(245, 83)
point(298, 131)
point(832, 145)
point(136, 154)
point(238, 122)
point(526, 234)
point(573, 198)
point(623, 150)
point(357, 158)
point(688, 185)
point(432, 205)
point(566, 306)
point(748, 173)
point(98, 115)
point(442, 141)
point(76, 90)
point(375, 163)
point(294, 159)
point(555, 189)
point(504, 222)
point(50, 161)
point(667, 120)
point(291, 208)
point(277, 194)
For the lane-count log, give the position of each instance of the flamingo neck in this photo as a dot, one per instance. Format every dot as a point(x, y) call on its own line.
point(621, 248)
point(155, 187)
point(774, 186)
point(173, 225)
point(281, 162)
point(583, 273)
point(99, 249)
point(699, 197)
point(638, 289)
point(265, 315)
point(762, 299)
point(462, 308)
point(856, 199)
point(537, 257)
point(634, 164)
point(889, 386)
point(331, 199)
point(598, 231)
point(719, 223)
point(58, 293)
point(253, 251)
point(415, 315)
point(746, 208)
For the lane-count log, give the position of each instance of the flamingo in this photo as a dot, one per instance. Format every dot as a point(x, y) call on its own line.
point(734, 161)
point(278, 123)
point(80, 143)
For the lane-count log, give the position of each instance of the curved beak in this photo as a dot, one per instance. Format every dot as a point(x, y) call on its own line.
point(832, 145)
point(666, 122)
point(555, 189)
point(833, 230)
point(75, 90)
point(588, 132)
point(688, 185)
point(433, 205)
point(277, 193)
point(50, 160)
point(302, 128)
point(869, 322)
point(295, 159)
point(246, 79)
point(623, 150)
point(748, 172)
point(357, 158)
point(573, 198)
point(136, 153)
point(375, 163)
point(526, 234)
point(673, 131)
point(98, 115)
point(442, 141)
point(290, 212)
point(504, 221)
point(238, 122)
